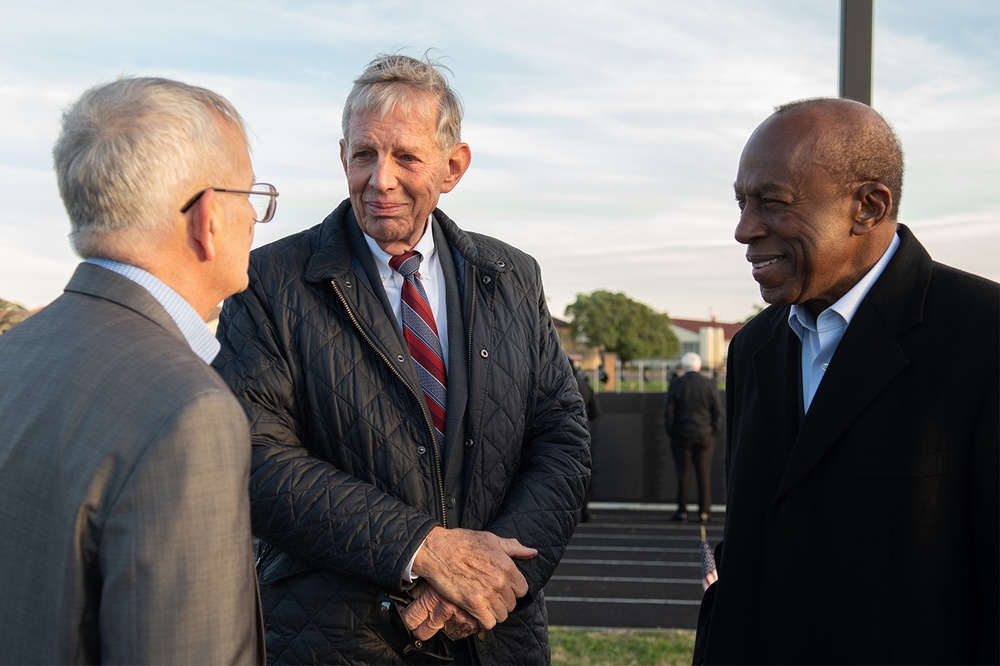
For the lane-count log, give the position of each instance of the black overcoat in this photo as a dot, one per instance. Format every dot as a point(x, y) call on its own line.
point(867, 530)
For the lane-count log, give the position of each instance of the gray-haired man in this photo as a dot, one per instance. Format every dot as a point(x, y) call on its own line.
point(420, 444)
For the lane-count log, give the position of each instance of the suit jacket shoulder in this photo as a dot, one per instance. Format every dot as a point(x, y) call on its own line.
point(119, 444)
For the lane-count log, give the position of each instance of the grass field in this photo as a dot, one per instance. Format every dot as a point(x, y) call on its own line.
point(645, 647)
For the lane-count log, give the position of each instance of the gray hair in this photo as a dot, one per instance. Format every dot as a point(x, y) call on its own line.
point(129, 150)
point(393, 80)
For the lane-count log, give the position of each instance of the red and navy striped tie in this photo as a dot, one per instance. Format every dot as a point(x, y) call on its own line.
point(422, 338)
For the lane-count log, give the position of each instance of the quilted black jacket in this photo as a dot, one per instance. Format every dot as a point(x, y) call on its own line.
point(347, 477)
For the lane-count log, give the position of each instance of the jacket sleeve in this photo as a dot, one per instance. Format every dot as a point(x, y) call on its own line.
point(986, 536)
point(708, 600)
point(545, 497)
point(300, 503)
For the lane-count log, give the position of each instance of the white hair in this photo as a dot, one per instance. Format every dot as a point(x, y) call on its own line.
point(691, 361)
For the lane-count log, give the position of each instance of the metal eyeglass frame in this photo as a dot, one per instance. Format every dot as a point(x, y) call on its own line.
point(272, 204)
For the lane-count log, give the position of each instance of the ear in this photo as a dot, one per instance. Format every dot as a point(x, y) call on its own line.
point(459, 159)
point(873, 206)
point(202, 226)
point(343, 155)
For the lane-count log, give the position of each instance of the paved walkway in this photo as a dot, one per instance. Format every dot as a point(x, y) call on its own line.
point(631, 569)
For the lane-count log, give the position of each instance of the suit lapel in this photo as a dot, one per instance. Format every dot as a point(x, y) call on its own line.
point(867, 359)
point(776, 366)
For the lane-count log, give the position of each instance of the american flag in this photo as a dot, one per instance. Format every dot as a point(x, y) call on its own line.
point(708, 572)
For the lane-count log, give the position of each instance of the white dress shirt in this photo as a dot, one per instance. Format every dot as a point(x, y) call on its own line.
point(821, 335)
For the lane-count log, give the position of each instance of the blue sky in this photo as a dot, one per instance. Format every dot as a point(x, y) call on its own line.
point(605, 135)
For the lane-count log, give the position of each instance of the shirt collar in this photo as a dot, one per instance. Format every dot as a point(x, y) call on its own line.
point(801, 318)
point(425, 246)
point(190, 323)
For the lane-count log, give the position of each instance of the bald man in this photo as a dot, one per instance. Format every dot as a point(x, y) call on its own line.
point(862, 472)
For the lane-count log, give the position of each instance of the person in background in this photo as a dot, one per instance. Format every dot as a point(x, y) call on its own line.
point(862, 471)
point(692, 413)
point(125, 459)
point(420, 447)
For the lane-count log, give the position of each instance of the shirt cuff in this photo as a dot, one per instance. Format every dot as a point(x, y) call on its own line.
point(408, 575)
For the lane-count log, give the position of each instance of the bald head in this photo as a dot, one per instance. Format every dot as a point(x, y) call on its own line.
point(854, 143)
point(817, 186)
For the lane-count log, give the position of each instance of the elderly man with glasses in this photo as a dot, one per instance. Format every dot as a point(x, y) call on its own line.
point(125, 458)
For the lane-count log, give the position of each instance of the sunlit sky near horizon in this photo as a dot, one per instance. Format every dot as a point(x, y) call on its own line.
point(605, 135)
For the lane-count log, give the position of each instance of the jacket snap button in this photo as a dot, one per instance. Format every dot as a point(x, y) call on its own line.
point(484, 353)
point(468, 443)
point(421, 450)
point(487, 279)
point(400, 358)
point(501, 263)
point(481, 635)
point(347, 283)
point(450, 503)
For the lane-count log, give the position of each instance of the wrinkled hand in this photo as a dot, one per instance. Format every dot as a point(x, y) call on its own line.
point(475, 571)
point(429, 613)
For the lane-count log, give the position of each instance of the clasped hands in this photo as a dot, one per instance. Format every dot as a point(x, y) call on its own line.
point(468, 582)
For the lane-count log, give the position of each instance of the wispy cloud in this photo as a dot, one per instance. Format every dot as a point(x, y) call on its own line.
point(605, 135)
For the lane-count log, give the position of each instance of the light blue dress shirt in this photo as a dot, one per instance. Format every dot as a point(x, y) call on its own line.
point(821, 335)
point(192, 326)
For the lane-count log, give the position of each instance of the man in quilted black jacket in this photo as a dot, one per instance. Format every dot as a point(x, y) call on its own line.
point(392, 530)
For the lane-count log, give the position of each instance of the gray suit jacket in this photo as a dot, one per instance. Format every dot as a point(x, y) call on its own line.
point(124, 466)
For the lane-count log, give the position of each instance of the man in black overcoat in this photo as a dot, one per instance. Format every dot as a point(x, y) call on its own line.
point(691, 415)
point(862, 471)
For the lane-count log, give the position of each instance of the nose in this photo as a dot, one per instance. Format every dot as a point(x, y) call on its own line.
point(749, 227)
point(383, 175)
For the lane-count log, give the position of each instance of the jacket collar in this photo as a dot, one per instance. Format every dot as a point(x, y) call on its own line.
point(779, 382)
point(94, 280)
point(339, 238)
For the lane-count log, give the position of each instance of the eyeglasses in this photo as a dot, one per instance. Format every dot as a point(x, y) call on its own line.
point(263, 208)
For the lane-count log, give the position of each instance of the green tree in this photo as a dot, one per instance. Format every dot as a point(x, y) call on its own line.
point(613, 322)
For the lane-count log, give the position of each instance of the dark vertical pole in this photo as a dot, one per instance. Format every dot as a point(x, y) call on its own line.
point(856, 50)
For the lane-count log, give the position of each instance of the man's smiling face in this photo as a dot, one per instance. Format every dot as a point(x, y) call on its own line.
point(795, 219)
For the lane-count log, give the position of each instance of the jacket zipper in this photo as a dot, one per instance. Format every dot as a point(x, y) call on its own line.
point(423, 407)
point(472, 318)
